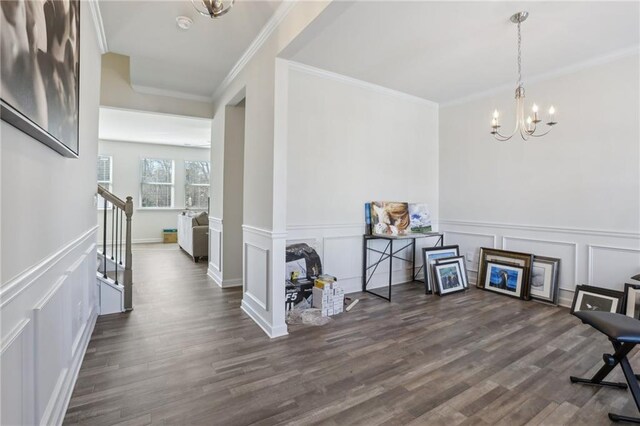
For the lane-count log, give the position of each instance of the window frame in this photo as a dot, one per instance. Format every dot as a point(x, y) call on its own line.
point(172, 183)
point(109, 183)
point(186, 185)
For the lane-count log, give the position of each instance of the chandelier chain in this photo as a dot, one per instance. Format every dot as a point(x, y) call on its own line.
point(519, 56)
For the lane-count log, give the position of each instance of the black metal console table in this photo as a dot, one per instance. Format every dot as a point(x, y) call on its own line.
point(390, 253)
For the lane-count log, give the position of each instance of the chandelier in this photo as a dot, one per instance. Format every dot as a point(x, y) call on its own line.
point(212, 8)
point(529, 126)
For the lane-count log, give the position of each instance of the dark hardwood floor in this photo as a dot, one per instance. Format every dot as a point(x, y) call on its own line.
point(188, 355)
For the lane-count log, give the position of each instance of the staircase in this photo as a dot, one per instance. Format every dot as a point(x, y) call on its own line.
point(114, 276)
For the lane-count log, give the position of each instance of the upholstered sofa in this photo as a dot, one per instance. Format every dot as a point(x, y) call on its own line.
point(193, 234)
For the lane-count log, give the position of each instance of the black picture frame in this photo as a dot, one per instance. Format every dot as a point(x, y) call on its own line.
point(429, 259)
point(594, 294)
point(41, 86)
point(632, 300)
point(453, 276)
point(519, 292)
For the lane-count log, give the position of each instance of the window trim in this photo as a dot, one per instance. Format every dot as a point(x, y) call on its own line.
point(109, 183)
point(172, 183)
point(186, 185)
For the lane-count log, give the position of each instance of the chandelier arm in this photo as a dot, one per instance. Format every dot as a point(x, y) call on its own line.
point(499, 136)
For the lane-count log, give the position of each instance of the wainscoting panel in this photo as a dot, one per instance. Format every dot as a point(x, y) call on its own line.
point(48, 315)
point(600, 257)
point(16, 369)
point(470, 243)
point(610, 266)
point(342, 256)
point(257, 274)
point(566, 251)
point(215, 250)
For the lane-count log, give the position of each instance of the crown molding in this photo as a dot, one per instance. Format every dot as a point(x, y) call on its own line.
point(570, 69)
point(148, 90)
point(359, 83)
point(94, 6)
point(275, 20)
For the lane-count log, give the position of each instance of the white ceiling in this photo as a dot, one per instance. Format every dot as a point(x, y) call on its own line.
point(147, 127)
point(164, 57)
point(444, 51)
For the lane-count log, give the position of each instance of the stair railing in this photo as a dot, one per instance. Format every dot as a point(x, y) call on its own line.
point(118, 209)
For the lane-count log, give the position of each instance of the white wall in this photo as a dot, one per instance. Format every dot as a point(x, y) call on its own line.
point(264, 209)
point(48, 293)
point(573, 194)
point(350, 143)
point(225, 248)
point(147, 223)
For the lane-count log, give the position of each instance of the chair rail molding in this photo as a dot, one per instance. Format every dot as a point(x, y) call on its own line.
point(22, 281)
point(539, 228)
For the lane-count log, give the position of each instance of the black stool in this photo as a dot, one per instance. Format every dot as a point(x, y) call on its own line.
point(624, 334)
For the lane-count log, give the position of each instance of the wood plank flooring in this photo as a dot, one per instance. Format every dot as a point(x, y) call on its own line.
point(188, 355)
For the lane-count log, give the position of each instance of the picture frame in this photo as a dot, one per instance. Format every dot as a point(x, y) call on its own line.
point(461, 261)
point(544, 279)
point(448, 278)
point(591, 298)
point(504, 278)
point(632, 300)
point(429, 257)
point(524, 260)
point(40, 93)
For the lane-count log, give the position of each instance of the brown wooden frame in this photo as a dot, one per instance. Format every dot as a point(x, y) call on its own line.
point(524, 260)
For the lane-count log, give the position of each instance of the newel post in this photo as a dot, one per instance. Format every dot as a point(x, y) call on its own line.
point(128, 274)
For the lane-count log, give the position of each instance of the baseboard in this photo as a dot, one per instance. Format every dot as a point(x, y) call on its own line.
point(214, 275)
point(61, 401)
point(236, 282)
point(147, 240)
point(270, 331)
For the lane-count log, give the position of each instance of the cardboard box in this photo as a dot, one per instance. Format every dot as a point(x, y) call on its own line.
point(170, 235)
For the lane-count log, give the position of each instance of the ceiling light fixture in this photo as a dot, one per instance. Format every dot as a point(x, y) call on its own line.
point(528, 127)
point(212, 8)
point(184, 22)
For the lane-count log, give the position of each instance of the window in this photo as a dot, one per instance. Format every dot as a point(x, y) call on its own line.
point(196, 184)
point(104, 172)
point(156, 186)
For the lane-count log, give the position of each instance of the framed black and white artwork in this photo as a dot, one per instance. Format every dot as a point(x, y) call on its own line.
point(40, 70)
point(544, 279)
point(591, 298)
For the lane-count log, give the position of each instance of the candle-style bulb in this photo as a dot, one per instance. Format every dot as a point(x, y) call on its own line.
point(552, 110)
point(534, 108)
point(495, 114)
point(494, 123)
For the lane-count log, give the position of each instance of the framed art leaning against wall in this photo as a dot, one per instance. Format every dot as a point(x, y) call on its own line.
point(544, 279)
point(40, 71)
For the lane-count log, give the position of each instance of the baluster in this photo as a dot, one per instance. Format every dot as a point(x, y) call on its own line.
point(104, 239)
point(113, 218)
point(121, 212)
point(115, 263)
